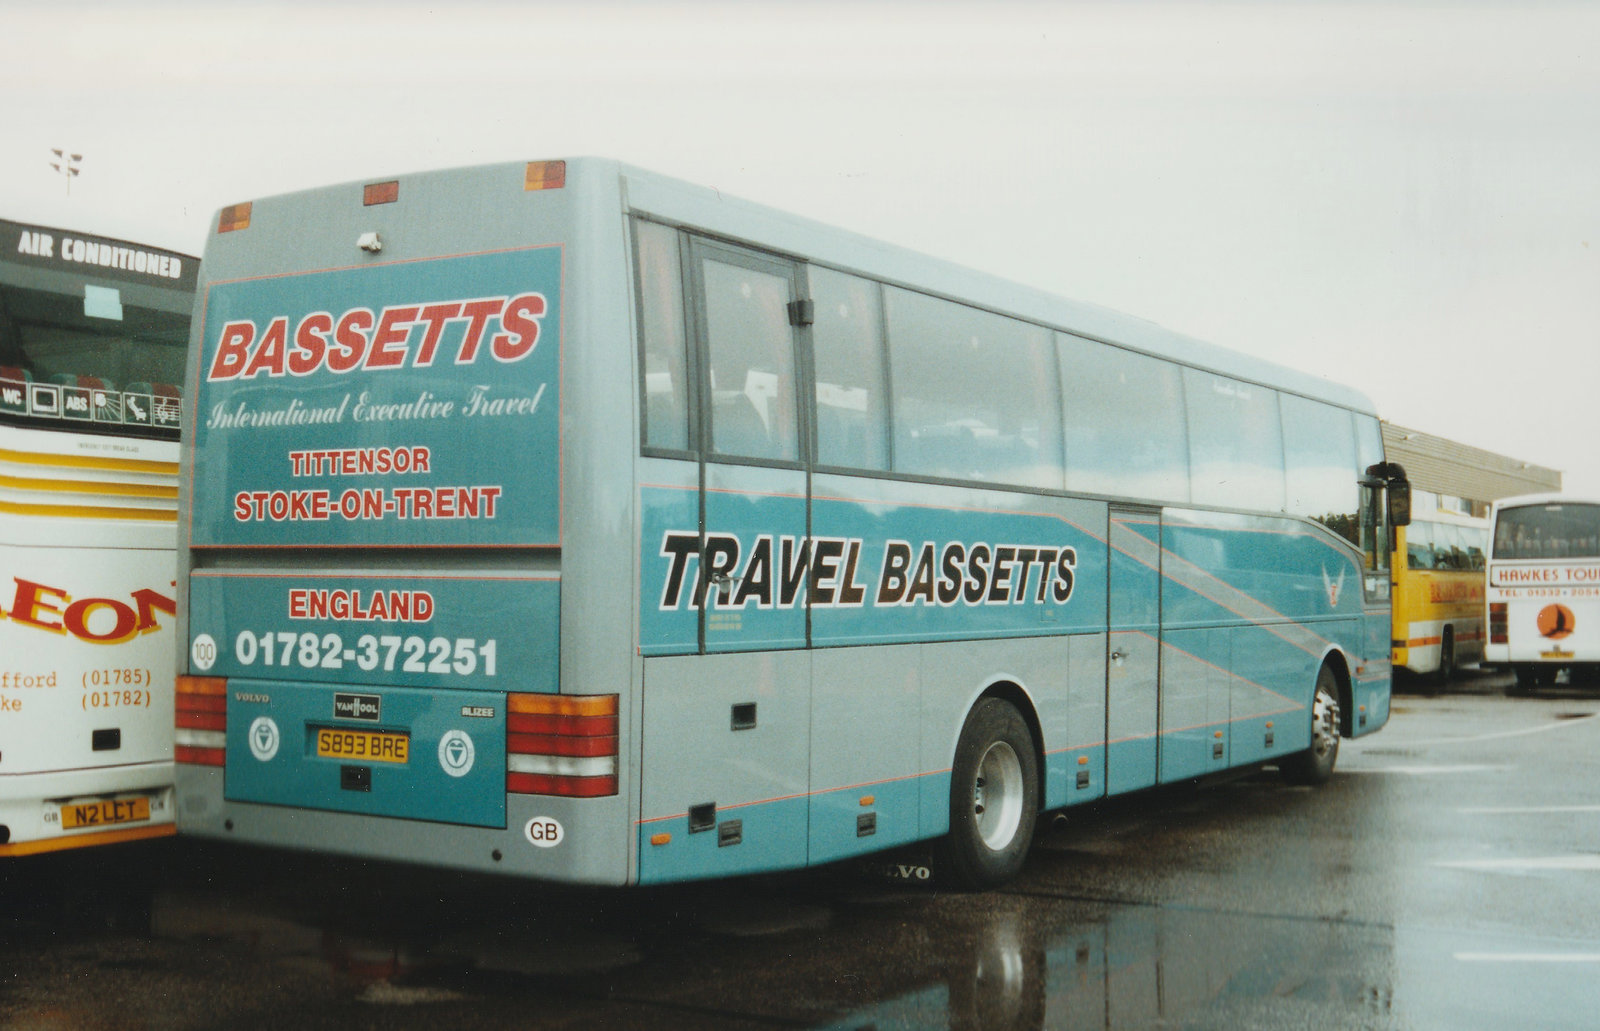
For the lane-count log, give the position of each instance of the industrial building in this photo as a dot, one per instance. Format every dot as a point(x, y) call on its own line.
point(1462, 478)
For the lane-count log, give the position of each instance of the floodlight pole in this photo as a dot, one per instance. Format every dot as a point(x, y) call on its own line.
point(67, 165)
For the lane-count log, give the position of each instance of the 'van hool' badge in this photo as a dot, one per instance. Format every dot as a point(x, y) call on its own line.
point(357, 707)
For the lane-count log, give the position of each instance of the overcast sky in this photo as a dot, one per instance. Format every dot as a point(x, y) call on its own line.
point(1402, 196)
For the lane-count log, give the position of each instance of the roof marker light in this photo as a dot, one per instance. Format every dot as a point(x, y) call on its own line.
point(545, 175)
point(234, 216)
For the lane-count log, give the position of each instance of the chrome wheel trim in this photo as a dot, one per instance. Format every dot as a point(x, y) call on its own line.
point(1324, 722)
point(997, 795)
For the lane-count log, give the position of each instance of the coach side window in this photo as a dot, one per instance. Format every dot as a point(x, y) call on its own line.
point(847, 348)
point(1235, 442)
point(1319, 445)
point(665, 422)
point(749, 346)
point(1123, 416)
point(975, 394)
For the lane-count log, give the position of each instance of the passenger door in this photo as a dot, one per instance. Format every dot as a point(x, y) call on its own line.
point(1133, 649)
point(727, 731)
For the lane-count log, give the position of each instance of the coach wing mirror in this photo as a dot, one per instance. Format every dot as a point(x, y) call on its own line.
point(1400, 503)
point(1392, 478)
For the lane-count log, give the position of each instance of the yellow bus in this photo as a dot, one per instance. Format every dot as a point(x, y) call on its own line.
point(1438, 591)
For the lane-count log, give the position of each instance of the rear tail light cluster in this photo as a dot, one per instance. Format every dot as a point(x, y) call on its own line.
point(561, 745)
point(200, 722)
point(1497, 623)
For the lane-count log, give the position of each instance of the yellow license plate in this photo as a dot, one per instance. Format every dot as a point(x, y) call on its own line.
point(105, 813)
point(377, 746)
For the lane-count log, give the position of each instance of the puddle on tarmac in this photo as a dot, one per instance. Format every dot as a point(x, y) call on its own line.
point(836, 952)
point(1140, 966)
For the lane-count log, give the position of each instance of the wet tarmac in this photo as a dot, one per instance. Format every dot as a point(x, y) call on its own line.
point(1446, 878)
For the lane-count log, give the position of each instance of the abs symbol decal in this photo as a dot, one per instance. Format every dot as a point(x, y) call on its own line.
point(264, 738)
point(456, 753)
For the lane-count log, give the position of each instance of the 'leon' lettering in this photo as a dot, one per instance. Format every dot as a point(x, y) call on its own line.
point(95, 620)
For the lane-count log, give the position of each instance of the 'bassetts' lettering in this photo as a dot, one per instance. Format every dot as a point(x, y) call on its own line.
point(410, 335)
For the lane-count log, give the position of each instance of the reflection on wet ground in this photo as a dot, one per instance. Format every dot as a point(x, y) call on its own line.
point(181, 934)
point(1443, 879)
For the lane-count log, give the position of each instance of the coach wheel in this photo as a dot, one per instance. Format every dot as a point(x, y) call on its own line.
point(994, 798)
point(1531, 675)
point(1315, 764)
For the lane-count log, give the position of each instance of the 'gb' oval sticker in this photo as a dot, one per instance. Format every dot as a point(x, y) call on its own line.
point(544, 831)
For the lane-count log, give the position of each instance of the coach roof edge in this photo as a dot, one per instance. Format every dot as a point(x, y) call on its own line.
point(674, 200)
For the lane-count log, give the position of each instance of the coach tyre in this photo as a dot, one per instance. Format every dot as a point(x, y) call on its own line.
point(994, 798)
point(1315, 764)
point(1447, 657)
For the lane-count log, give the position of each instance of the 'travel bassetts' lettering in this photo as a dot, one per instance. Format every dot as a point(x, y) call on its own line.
point(780, 571)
